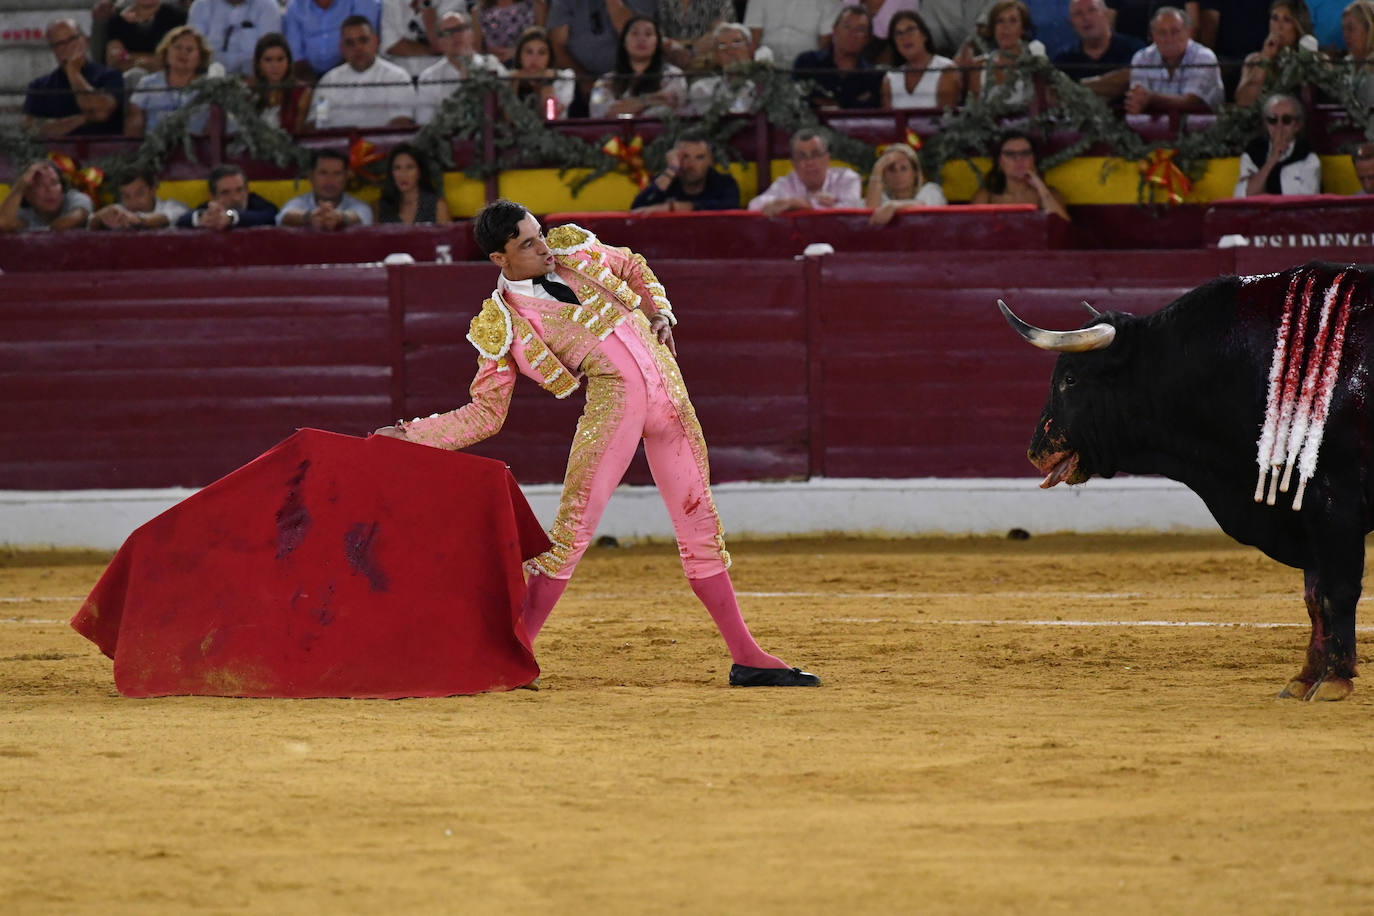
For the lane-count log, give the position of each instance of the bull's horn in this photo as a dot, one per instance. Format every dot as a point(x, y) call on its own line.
point(1094, 338)
point(1091, 311)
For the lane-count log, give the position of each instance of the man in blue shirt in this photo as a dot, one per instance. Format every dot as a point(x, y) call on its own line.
point(690, 181)
point(312, 30)
point(79, 98)
point(326, 207)
point(1102, 60)
point(842, 76)
point(232, 29)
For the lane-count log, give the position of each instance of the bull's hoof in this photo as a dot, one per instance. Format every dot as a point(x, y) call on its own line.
point(1295, 690)
point(1330, 688)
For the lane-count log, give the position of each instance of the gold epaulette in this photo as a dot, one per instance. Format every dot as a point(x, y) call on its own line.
point(491, 331)
point(569, 239)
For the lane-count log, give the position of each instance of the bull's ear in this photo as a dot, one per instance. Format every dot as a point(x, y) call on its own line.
point(1091, 311)
point(1096, 337)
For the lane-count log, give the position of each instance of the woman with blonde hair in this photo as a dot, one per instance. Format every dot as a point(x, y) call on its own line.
point(183, 56)
point(897, 182)
point(1357, 31)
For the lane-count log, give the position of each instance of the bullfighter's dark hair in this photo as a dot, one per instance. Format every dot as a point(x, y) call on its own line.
point(497, 223)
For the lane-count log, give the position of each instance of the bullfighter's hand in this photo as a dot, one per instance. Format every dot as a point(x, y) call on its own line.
point(391, 432)
point(663, 330)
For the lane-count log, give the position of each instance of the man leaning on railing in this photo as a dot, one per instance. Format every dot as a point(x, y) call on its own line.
point(80, 97)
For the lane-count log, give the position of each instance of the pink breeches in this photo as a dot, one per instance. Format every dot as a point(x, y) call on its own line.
point(635, 393)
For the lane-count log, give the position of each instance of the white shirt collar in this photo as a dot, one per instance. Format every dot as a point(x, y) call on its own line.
point(529, 287)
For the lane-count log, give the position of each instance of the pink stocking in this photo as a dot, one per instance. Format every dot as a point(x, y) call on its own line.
point(541, 594)
point(718, 594)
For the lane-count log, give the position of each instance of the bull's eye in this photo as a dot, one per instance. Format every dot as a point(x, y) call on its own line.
point(1068, 381)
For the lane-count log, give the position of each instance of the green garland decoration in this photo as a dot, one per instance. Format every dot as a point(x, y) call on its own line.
point(1074, 116)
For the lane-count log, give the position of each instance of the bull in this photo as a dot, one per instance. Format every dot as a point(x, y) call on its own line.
point(1251, 391)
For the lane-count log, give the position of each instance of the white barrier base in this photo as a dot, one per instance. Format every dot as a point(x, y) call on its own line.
point(102, 519)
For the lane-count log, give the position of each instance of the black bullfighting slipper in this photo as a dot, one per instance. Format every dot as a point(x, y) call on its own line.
point(744, 676)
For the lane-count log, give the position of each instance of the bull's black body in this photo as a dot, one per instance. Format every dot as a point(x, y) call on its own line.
point(1182, 393)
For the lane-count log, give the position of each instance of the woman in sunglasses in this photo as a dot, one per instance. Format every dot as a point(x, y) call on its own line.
point(1281, 162)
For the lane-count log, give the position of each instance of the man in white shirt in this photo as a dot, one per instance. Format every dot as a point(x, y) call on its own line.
point(460, 61)
point(365, 90)
point(790, 27)
point(232, 29)
point(1282, 162)
point(326, 207)
point(1175, 73)
point(814, 183)
point(139, 206)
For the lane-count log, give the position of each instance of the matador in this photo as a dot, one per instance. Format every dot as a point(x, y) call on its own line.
point(569, 309)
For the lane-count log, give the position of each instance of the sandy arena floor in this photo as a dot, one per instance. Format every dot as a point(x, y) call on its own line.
point(1059, 725)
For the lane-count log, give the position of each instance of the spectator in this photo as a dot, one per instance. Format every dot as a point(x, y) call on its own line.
point(1363, 160)
point(790, 28)
point(1175, 73)
point(232, 29)
point(690, 181)
point(843, 78)
point(643, 84)
point(80, 97)
point(879, 50)
point(408, 194)
point(537, 83)
point(1102, 60)
point(312, 29)
point(898, 181)
point(921, 78)
point(365, 90)
point(460, 61)
point(139, 206)
point(39, 200)
point(586, 37)
point(1005, 34)
point(1133, 17)
point(231, 204)
point(734, 49)
point(1281, 162)
point(499, 24)
point(133, 35)
point(1015, 178)
point(1357, 28)
point(1288, 22)
point(1231, 28)
point(687, 27)
point(813, 182)
point(326, 206)
point(410, 34)
point(182, 57)
point(281, 99)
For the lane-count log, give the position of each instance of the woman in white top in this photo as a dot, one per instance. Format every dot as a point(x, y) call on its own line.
point(643, 84)
point(898, 181)
point(921, 78)
point(1282, 162)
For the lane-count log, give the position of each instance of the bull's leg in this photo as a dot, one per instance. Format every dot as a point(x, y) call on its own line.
point(1331, 593)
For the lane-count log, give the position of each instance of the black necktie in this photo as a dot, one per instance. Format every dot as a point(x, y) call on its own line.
point(558, 290)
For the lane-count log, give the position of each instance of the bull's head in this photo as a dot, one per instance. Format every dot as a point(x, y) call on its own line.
point(1056, 449)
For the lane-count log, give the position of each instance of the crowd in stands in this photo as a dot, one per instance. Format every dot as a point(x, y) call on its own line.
point(365, 64)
